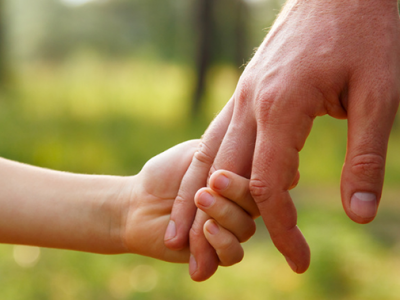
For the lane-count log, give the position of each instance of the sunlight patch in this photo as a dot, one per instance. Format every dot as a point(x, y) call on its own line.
point(76, 2)
point(26, 256)
point(119, 284)
point(144, 278)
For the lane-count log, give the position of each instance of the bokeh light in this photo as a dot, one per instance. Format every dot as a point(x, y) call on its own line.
point(144, 278)
point(77, 2)
point(26, 256)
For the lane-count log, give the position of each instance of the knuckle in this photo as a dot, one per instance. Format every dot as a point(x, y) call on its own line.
point(295, 181)
point(230, 255)
point(203, 154)
point(264, 104)
point(228, 247)
point(222, 213)
point(259, 190)
point(222, 216)
point(196, 232)
point(179, 201)
point(182, 203)
point(368, 167)
point(266, 99)
point(244, 90)
point(212, 170)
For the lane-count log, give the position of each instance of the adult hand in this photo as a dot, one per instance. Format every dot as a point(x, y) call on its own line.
point(338, 57)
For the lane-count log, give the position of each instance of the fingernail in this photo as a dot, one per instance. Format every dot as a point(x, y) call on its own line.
point(221, 182)
point(192, 265)
point(212, 227)
point(291, 264)
point(171, 231)
point(206, 199)
point(364, 204)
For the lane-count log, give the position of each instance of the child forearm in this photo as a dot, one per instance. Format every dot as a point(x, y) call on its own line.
point(61, 210)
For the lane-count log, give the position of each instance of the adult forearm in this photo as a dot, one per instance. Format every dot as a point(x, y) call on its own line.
point(324, 2)
point(58, 209)
point(338, 7)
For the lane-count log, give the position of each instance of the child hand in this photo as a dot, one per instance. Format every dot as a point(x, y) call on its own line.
point(154, 189)
point(150, 203)
point(153, 193)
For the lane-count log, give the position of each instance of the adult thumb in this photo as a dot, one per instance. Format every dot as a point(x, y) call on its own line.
point(370, 119)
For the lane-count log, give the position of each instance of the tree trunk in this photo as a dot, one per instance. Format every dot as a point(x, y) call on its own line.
point(204, 29)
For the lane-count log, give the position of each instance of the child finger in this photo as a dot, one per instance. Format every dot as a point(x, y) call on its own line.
point(226, 213)
point(226, 245)
point(234, 188)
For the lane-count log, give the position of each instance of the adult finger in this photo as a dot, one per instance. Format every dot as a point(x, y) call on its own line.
point(279, 139)
point(226, 213)
point(226, 245)
point(236, 153)
point(203, 260)
point(372, 108)
point(295, 181)
point(184, 210)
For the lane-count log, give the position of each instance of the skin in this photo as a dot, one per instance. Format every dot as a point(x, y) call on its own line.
point(228, 216)
point(111, 214)
point(336, 57)
point(148, 210)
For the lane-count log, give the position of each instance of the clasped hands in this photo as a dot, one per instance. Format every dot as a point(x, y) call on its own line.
point(197, 202)
point(340, 58)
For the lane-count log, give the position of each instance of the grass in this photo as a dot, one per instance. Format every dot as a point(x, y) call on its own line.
point(110, 118)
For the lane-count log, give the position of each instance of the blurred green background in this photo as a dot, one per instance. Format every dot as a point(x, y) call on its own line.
point(102, 86)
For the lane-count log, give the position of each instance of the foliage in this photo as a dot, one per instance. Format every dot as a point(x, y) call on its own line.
point(51, 30)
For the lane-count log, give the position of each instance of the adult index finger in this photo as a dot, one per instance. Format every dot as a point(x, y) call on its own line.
point(184, 209)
